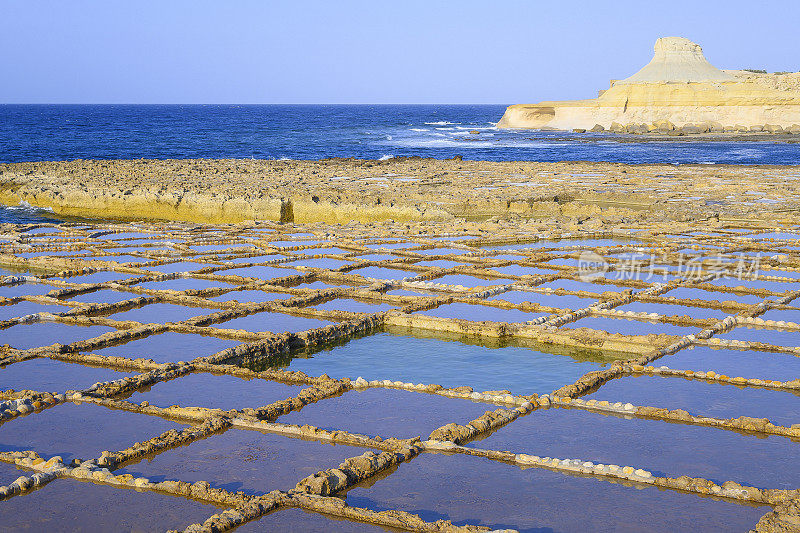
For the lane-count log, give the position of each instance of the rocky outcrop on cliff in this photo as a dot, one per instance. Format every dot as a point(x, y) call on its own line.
point(678, 86)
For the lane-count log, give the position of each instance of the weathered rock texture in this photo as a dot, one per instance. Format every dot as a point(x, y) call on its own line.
point(678, 87)
point(400, 189)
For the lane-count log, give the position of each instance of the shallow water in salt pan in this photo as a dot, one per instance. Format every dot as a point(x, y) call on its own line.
point(769, 336)
point(300, 520)
point(93, 429)
point(25, 289)
point(65, 505)
point(229, 392)
point(272, 322)
point(355, 306)
point(50, 375)
point(454, 487)
point(28, 308)
point(101, 296)
point(745, 363)
point(663, 448)
point(450, 363)
point(243, 460)
point(396, 413)
point(250, 296)
point(702, 398)
point(161, 313)
point(169, 347)
point(36, 334)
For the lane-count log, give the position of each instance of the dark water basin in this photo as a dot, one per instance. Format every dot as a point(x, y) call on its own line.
point(80, 431)
point(274, 322)
point(308, 522)
point(25, 289)
point(355, 306)
point(250, 296)
point(28, 308)
point(50, 375)
point(392, 245)
point(229, 392)
point(660, 447)
point(787, 315)
point(66, 505)
point(244, 460)
point(261, 272)
point(106, 296)
point(534, 500)
point(439, 263)
point(181, 266)
point(769, 336)
point(161, 313)
point(386, 412)
point(169, 347)
point(322, 251)
point(320, 262)
point(183, 284)
point(34, 335)
point(702, 398)
point(744, 363)
point(700, 294)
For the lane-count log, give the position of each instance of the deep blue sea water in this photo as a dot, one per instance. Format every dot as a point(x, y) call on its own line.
point(65, 132)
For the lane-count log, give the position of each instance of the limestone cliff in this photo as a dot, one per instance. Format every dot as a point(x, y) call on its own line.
point(678, 86)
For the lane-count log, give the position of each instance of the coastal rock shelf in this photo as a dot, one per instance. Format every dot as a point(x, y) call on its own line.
point(347, 376)
point(572, 195)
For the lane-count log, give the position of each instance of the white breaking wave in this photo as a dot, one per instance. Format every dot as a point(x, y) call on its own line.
point(450, 143)
point(420, 129)
point(385, 157)
point(25, 206)
point(441, 123)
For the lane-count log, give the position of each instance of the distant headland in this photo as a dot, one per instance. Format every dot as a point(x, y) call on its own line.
point(677, 92)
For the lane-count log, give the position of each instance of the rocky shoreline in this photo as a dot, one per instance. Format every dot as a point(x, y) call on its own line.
point(580, 195)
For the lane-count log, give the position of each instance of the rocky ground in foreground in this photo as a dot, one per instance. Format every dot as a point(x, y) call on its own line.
point(570, 195)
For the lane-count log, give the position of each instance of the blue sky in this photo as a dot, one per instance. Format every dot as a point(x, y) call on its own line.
point(379, 51)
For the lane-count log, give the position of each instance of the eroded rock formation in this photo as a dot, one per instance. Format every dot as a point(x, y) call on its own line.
point(679, 87)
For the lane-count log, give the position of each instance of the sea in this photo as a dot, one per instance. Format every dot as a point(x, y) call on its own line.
point(69, 132)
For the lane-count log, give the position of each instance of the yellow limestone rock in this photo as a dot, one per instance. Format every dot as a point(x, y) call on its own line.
point(678, 85)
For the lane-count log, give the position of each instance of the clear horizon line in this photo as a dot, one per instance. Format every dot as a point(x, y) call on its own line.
point(251, 103)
